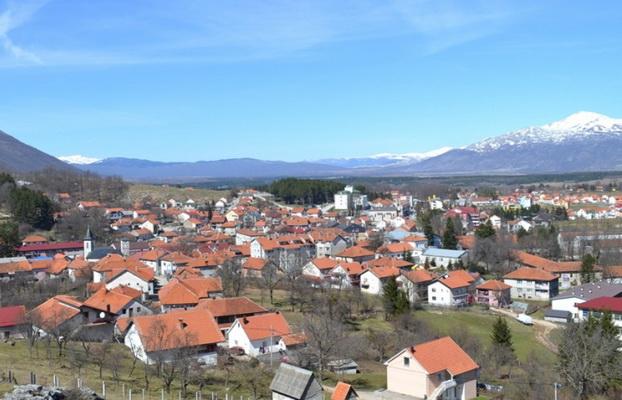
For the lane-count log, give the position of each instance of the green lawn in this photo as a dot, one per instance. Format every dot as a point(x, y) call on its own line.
point(480, 325)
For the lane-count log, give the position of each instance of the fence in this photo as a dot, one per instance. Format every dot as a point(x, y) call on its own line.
point(113, 390)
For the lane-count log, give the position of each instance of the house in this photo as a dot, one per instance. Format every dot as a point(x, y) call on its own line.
point(58, 316)
point(415, 283)
point(259, 334)
point(172, 261)
point(596, 307)
point(355, 254)
point(295, 383)
point(142, 279)
point(319, 267)
point(107, 305)
point(346, 366)
point(443, 257)
point(438, 369)
point(532, 283)
point(187, 293)
point(344, 391)
point(569, 300)
point(226, 310)
point(328, 242)
point(373, 280)
point(346, 275)
point(180, 334)
point(493, 293)
point(568, 272)
point(12, 321)
point(253, 267)
point(451, 290)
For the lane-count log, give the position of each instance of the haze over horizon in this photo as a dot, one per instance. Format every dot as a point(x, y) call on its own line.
point(280, 80)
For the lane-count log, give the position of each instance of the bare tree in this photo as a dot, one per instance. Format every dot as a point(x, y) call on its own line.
point(232, 278)
point(323, 337)
point(270, 278)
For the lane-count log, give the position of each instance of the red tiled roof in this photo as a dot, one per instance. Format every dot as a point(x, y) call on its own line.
point(443, 355)
point(265, 325)
point(494, 285)
point(231, 306)
point(530, 274)
point(178, 329)
point(611, 304)
point(12, 316)
point(53, 246)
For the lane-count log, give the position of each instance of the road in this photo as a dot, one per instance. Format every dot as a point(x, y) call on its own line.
point(542, 329)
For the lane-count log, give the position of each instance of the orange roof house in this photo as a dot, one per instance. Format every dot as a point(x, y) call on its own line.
point(183, 293)
point(191, 333)
point(57, 316)
point(430, 369)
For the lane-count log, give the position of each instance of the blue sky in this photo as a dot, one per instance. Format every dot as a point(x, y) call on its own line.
point(291, 80)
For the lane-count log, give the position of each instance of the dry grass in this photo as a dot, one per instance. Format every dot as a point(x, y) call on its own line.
point(159, 193)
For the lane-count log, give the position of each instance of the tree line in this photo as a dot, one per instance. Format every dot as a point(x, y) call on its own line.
point(305, 191)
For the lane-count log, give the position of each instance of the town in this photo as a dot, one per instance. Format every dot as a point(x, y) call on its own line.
point(264, 292)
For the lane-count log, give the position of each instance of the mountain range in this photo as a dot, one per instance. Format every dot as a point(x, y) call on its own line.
point(584, 141)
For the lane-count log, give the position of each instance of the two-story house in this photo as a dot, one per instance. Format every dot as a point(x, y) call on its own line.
point(532, 283)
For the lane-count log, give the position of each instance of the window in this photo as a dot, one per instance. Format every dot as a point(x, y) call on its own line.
point(433, 298)
point(434, 290)
point(406, 361)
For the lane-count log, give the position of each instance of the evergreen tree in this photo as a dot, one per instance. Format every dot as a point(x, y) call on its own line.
point(587, 268)
point(9, 239)
point(449, 236)
point(501, 334)
point(394, 300)
point(485, 230)
point(408, 256)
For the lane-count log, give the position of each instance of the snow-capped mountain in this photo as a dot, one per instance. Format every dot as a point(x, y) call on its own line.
point(78, 159)
point(585, 141)
point(580, 125)
point(384, 159)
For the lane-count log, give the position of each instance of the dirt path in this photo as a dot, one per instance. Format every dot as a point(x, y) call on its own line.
point(542, 329)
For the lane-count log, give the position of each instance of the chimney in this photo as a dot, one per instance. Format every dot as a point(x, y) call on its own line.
point(182, 324)
point(245, 320)
point(108, 308)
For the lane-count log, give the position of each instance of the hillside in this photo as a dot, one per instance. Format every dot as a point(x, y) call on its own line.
point(17, 156)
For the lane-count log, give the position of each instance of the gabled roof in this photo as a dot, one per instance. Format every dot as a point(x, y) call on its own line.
point(254, 263)
point(419, 276)
point(12, 316)
point(177, 329)
point(385, 272)
point(342, 391)
point(324, 263)
point(112, 301)
point(180, 291)
point(389, 262)
point(494, 285)
point(611, 304)
point(442, 355)
point(295, 383)
point(265, 326)
point(55, 311)
point(355, 252)
point(231, 306)
point(530, 274)
point(589, 291)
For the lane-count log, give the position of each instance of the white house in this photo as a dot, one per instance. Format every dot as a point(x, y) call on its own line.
point(569, 300)
point(449, 291)
point(319, 267)
point(169, 337)
point(259, 334)
point(373, 280)
point(140, 279)
point(444, 257)
point(532, 283)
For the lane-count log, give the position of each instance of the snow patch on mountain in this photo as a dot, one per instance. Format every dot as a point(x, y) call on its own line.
point(580, 125)
point(77, 159)
point(412, 156)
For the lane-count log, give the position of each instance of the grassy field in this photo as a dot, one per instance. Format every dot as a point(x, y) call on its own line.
point(159, 193)
point(479, 325)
